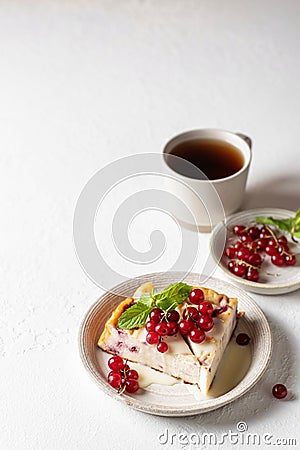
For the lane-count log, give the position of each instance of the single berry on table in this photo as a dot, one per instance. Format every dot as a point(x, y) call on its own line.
point(279, 391)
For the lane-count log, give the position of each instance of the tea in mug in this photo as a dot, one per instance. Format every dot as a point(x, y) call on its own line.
point(216, 159)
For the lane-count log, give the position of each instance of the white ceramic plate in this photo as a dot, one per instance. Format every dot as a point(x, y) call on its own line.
point(174, 400)
point(288, 278)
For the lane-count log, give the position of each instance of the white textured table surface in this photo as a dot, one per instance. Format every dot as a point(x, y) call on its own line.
point(84, 83)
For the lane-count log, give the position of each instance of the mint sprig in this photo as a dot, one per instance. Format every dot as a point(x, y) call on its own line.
point(290, 225)
point(167, 300)
point(135, 316)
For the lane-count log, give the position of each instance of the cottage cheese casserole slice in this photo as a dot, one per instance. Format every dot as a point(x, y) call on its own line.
point(190, 356)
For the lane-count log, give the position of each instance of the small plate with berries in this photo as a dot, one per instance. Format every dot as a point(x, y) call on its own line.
point(261, 254)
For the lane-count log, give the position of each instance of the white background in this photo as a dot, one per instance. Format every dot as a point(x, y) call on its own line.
point(84, 83)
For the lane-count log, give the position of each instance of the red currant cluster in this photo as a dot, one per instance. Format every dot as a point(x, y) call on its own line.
point(159, 325)
point(121, 377)
point(195, 321)
point(245, 260)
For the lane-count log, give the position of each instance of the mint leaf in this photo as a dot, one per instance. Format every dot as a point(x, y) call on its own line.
point(134, 316)
point(146, 299)
point(172, 296)
point(296, 224)
point(291, 225)
point(167, 300)
point(282, 224)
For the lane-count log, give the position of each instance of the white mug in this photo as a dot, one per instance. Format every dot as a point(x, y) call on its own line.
point(208, 201)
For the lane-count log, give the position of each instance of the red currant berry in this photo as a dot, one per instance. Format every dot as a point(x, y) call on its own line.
point(196, 296)
point(185, 326)
point(254, 246)
point(246, 239)
point(197, 335)
point(231, 265)
point(190, 313)
point(282, 240)
point(126, 368)
point(172, 328)
point(271, 250)
point(150, 325)
point(240, 270)
point(238, 229)
point(162, 347)
point(290, 260)
point(206, 308)
point(278, 260)
point(114, 379)
point(254, 232)
point(264, 233)
point(152, 337)
point(244, 254)
point(238, 245)
point(230, 252)
point(255, 259)
point(116, 363)
point(242, 339)
point(173, 316)
point(252, 274)
point(131, 386)
point(279, 391)
point(156, 315)
point(262, 243)
point(162, 329)
point(206, 323)
point(280, 250)
point(133, 374)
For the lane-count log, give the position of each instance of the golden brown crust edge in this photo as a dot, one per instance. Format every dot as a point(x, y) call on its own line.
point(113, 320)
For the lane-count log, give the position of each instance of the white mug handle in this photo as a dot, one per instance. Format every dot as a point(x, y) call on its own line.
point(246, 139)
